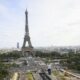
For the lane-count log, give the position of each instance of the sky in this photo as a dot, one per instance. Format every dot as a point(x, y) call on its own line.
point(51, 22)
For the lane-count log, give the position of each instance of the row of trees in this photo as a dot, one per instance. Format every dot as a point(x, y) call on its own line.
point(3, 71)
point(72, 61)
point(10, 55)
point(3, 74)
point(51, 55)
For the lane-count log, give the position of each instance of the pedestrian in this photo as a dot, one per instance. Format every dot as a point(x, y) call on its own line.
point(49, 69)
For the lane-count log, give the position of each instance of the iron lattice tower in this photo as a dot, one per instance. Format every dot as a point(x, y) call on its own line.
point(29, 47)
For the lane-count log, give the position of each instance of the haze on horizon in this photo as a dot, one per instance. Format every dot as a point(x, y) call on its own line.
point(51, 22)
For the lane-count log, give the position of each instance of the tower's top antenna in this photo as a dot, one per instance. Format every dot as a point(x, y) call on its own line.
point(26, 12)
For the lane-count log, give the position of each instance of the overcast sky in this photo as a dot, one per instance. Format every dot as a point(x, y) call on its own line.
point(51, 22)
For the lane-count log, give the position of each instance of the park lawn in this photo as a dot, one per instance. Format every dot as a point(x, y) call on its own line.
point(29, 76)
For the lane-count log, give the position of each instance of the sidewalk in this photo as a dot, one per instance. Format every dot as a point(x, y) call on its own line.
point(37, 76)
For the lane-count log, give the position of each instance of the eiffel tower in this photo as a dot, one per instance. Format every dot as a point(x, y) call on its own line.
point(29, 47)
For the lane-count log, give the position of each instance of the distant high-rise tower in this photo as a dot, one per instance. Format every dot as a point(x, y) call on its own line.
point(18, 45)
point(29, 47)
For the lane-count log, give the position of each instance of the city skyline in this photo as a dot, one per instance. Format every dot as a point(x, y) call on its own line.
point(51, 23)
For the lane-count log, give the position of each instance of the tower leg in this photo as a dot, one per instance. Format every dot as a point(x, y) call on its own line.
point(24, 43)
point(29, 42)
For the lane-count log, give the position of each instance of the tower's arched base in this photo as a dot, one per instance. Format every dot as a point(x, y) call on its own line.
point(27, 51)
